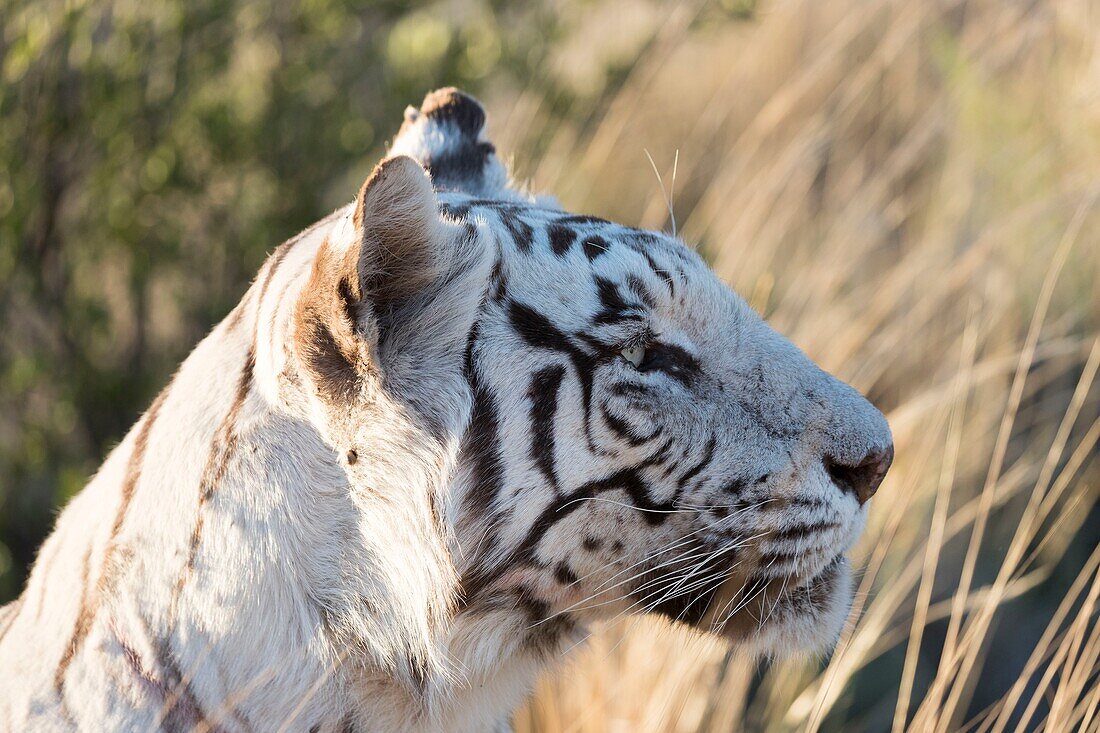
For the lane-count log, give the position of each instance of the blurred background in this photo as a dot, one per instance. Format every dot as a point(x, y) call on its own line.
point(908, 189)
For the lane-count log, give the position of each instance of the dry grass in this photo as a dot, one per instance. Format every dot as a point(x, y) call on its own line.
point(909, 191)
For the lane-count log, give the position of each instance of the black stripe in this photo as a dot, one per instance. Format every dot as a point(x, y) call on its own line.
point(495, 204)
point(480, 446)
point(626, 479)
point(613, 308)
point(594, 246)
point(543, 393)
point(564, 574)
point(628, 389)
point(455, 211)
point(662, 274)
point(625, 430)
point(544, 630)
point(90, 601)
point(640, 291)
point(537, 330)
point(663, 586)
point(778, 558)
point(801, 531)
point(222, 449)
point(498, 281)
point(582, 219)
point(561, 239)
point(182, 711)
point(708, 456)
point(735, 486)
point(521, 232)
point(661, 454)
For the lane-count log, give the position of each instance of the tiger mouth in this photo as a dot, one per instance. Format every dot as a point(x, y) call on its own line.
point(743, 608)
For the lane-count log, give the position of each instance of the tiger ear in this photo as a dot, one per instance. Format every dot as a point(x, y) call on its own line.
point(357, 286)
point(447, 136)
point(398, 232)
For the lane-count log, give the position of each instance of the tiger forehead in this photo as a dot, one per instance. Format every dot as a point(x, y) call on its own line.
point(536, 229)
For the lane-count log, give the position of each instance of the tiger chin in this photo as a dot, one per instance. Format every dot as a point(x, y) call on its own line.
point(447, 430)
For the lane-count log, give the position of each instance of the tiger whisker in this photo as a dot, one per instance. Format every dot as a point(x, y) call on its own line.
point(677, 542)
point(603, 587)
point(656, 581)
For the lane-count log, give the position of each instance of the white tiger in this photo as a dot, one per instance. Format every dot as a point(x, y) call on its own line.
point(448, 428)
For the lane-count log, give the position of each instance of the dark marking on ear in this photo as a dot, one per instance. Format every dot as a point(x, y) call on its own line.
point(451, 105)
point(594, 246)
point(461, 168)
point(561, 239)
point(445, 137)
point(326, 328)
point(349, 302)
point(333, 372)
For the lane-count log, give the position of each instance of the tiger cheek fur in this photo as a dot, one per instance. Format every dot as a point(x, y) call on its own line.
point(449, 428)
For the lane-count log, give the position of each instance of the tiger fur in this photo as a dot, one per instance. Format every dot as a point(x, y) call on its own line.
point(447, 429)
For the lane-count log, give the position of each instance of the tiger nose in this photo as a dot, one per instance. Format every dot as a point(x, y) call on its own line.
point(863, 478)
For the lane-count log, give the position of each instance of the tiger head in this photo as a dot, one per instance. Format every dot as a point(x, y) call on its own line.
point(612, 429)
